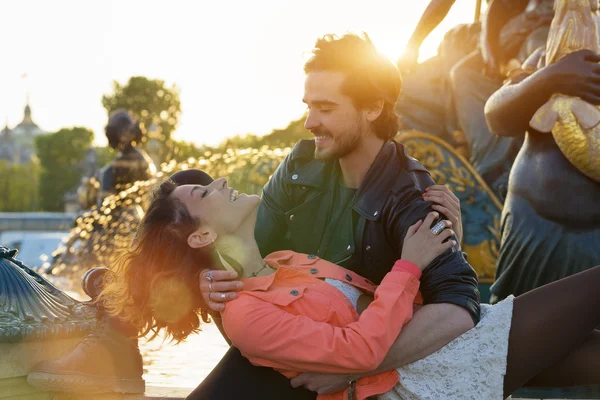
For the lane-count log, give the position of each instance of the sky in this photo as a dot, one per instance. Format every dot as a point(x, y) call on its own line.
point(237, 64)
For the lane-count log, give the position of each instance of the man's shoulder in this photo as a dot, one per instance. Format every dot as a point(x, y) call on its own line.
point(411, 174)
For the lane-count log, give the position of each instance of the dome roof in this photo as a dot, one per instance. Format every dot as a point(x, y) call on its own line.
point(27, 126)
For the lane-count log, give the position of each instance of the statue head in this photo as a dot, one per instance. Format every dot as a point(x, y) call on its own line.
point(122, 130)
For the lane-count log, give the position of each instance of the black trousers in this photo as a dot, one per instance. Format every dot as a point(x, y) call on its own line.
point(236, 378)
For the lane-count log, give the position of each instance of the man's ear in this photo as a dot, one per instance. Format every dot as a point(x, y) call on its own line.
point(373, 111)
point(201, 238)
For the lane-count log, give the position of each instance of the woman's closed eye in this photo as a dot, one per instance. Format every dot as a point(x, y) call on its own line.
point(203, 193)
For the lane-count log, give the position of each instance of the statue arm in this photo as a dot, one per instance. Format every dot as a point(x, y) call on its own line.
point(498, 14)
point(509, 110)
point(433, 15)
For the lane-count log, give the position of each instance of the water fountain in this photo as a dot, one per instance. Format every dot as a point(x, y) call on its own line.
point(37, 320)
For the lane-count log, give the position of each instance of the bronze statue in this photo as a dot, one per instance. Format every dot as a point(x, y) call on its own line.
point(572, 121)
point(446, 95)
point(37, 321)
point(95, 242)
point(551, 215)
point(132, 164)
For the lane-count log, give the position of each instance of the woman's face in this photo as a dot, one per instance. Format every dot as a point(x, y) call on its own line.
point(217, 205)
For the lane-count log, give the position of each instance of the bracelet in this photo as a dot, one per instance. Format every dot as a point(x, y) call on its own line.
point(351, 386)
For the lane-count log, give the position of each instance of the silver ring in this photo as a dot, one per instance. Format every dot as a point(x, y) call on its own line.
point(223, 296)
point(209, 275)
point(210, 287)
point(438, 228)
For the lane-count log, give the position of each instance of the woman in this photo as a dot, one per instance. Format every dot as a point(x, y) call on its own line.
point(299, 313)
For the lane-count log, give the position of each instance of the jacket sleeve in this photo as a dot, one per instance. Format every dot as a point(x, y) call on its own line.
point(270, 229)
point(449, 278)
point(272, 337)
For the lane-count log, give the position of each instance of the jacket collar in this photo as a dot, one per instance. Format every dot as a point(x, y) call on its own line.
point(374, 190)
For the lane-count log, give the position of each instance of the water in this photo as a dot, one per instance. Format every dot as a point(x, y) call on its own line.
point(167, 364)
point(184, 365)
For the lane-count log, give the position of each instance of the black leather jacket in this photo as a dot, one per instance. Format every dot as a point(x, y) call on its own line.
point(295, 211)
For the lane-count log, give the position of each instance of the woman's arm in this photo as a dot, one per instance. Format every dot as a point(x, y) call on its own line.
point(270, 336)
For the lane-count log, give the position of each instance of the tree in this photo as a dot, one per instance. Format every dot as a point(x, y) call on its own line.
point(19, 186)
point(156, 106)
point(61, 156)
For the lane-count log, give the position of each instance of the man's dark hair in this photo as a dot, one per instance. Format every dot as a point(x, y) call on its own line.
point(370, 76)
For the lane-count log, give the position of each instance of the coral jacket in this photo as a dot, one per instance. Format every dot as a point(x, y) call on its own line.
point(295, 322)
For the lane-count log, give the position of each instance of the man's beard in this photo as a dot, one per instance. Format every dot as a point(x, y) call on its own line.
point(343, 144)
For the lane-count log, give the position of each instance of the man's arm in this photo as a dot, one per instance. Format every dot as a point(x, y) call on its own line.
point(431, 328)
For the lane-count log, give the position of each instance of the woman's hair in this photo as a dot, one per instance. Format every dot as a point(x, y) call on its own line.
point(155, 283)
point(370, 77)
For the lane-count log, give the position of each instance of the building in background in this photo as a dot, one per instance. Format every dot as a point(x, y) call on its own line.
point(17, 145)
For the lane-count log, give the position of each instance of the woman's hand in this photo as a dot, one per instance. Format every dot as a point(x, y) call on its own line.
point(447, 204)
point(219, 287)
point(421, 246)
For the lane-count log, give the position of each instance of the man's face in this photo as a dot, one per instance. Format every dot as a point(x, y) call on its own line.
point(337, 125)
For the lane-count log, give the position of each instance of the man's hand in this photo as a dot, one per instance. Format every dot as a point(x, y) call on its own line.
point(448, 205)
point(321, 383)
point(219, 287)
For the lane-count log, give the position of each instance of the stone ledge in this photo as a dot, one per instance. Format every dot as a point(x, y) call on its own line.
point(18, 389)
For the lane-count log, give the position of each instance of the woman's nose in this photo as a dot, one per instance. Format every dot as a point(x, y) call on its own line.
point(221, 183)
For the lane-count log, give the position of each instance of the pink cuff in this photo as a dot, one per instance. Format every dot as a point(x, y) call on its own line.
point(407, 266)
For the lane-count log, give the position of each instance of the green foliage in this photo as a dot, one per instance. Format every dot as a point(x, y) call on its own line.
point(61, 155)
point(181, 151)
point(278, 138)
point(19, 186)
point(156, 106)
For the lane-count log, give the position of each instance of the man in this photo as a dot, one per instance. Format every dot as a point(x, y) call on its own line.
point(349, 196)
point(551, 217)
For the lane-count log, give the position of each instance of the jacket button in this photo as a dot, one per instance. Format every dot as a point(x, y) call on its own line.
point(368, 248)
point(375, 213)
point(294, 292)
point(294, 177)
point(312, 256)
point(348, 277)
point(292, 217)
point(313, 271)
point(349, 247)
